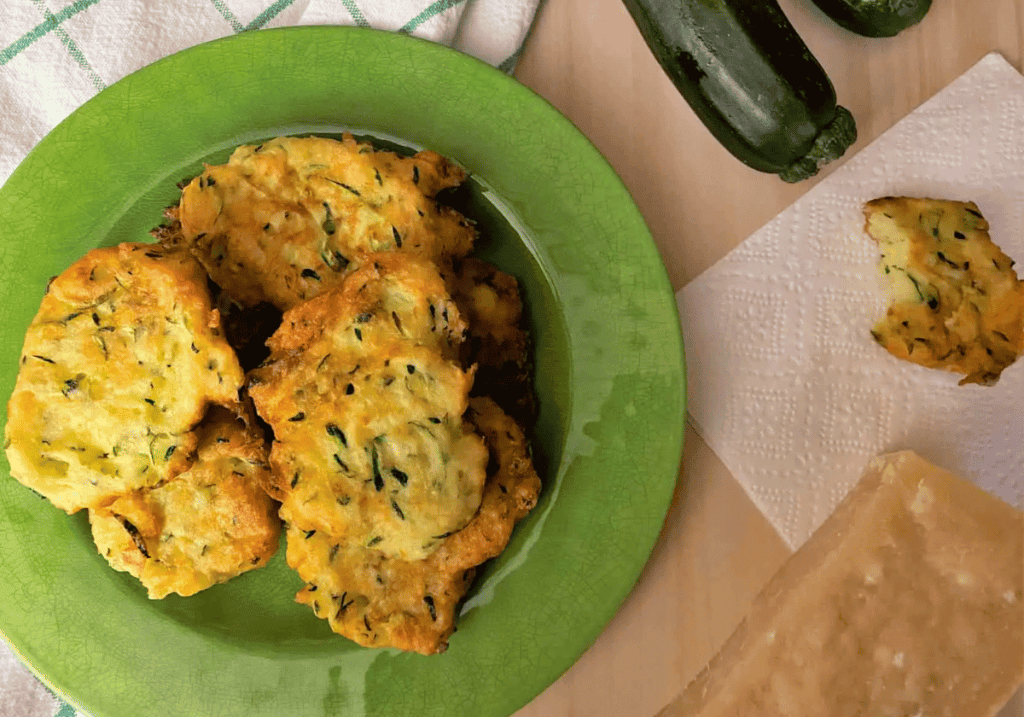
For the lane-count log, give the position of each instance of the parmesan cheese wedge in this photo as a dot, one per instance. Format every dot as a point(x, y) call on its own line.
point(907, 601)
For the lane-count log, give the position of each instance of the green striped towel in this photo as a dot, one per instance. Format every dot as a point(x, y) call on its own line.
point(56, 54)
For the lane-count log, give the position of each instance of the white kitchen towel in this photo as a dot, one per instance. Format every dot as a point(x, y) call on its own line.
point(785, 382)
point(56, 54)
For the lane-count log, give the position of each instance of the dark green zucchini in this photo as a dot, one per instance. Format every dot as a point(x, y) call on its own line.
point(752, 81)
point(875, 18)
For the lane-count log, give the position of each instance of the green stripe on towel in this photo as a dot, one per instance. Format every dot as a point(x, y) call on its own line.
point(226, 13)
point(269, 14)
point(435, 8)
point(42, 29)
point(509, 63)
point(356, 13)
point(72, 47)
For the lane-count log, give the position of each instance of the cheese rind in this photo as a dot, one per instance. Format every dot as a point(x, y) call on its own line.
point(906, 601)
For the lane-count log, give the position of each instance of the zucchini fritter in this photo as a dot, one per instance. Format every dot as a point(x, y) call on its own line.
point(118, 366)
point(281, 222)
point(202, 527)
point(956, 302)
point(382, 601)
point(365, 396)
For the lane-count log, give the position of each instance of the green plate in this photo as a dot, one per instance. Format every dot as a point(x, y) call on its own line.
point(610, 381)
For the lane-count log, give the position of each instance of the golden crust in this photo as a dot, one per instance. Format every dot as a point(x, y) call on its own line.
point(957, 303)
point(280, 222)
point(379, 601)
point(366, 401)
point(119, 364)
point(202, 527)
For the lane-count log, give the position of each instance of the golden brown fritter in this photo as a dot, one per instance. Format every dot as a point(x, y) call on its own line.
point(119, 364)
point(201, 527)
point(365, 398)
point(381, 601)
point(282, 221)
point(956, 302)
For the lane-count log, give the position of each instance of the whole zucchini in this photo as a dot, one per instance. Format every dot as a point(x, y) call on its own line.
point(875, 18)
point(752, 81)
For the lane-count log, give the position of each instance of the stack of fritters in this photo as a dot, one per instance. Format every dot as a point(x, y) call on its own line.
point(396, 472)
point(381, 600)
point(366, 399)
point(368, 382)
point(118, 368)
point(378, 471)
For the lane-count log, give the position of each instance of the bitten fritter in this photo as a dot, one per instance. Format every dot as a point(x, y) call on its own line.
point(201, 527)
point(118, 366)
point(496, 339)
point(956, 302)
point(381, 601)
point(281, 222)
point(366, 397)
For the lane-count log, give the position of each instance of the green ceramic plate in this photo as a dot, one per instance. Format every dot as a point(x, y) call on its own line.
point(609, 377)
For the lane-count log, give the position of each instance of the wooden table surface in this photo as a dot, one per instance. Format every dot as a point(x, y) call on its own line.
point(716, 550)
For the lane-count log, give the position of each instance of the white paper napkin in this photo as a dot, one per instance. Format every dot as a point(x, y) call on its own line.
point(786, 384)
point(56, 54)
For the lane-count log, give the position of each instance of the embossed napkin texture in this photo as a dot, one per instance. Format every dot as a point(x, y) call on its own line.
point(786, 384)
point(56, 54)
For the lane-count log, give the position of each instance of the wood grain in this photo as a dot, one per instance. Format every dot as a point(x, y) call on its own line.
point(716, 550)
